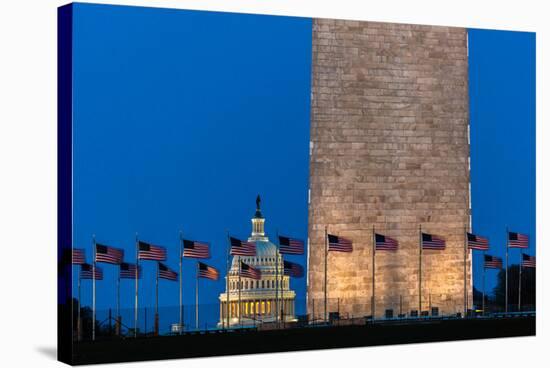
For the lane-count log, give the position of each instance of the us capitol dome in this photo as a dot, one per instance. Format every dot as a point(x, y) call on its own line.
point(269, 299)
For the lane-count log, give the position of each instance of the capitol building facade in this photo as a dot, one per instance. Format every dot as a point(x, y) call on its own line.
point(268, 299)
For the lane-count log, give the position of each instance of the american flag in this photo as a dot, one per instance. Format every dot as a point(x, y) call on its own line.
point(151, 252)
point(492, 262)
point(528, 261)
point(242, 248)
point(517, 240)
point(195, 249)
point(477, 242)
point(430, 241)
point(129, 271)
point(208, 272)
point(339, 244)
point(290, 245)
point(86, 272)
point(166, 273)
point(385, 242)
point(106, 254)
point(249, 271)
point(77, 256)
point(293, 269)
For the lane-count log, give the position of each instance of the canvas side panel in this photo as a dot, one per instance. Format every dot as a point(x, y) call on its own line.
point(64, 181)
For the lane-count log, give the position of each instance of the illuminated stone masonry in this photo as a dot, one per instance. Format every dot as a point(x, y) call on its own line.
point(389, 149)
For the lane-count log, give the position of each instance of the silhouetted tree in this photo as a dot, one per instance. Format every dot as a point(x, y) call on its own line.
point(528, 288)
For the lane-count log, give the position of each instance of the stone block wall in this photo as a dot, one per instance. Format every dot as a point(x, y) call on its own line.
point(389, 149)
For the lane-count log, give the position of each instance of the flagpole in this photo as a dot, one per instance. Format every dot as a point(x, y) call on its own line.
point(181, 284)
point(197, 299)
point(227, 309)
point(506, 282)
point(373, 305)
point(157, 302)
point(78, 322)
point(239, 281)
point(420, 272)
point(277, 279)
point(483, 300)
point(282, 292)
point(118, 303)
point(519, 285)
point(326, 256)
point(277, 282)
point(465, 287)
point(93, 291)
point(136, 291)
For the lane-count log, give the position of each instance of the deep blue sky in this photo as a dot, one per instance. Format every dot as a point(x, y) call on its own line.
point(180, 119)
point(502, 133)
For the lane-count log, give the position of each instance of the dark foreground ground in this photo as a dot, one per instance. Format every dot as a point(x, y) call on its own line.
point(295, 339)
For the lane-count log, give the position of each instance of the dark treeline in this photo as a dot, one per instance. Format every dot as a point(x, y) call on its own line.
point(528, 287)
point(495, 298)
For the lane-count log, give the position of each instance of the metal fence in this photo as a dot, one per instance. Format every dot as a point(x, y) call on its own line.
point(110, 323)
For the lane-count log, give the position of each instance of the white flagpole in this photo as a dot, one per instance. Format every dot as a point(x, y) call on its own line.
point(78, 322)
point(239, 308)
point(136, 285)
point(506, 282)
point(118, 318)
point(420, 272)
point(373, 272)
point(197, 300)
point(93, 291)
point(326, 256)
point(483, 295)
point(277, 281)
point(519, 285)
point(227, 281)
point(181, 283)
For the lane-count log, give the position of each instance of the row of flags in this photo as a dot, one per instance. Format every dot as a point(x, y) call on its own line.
point(145, 251)
point(433, 242)
point(287, 245)
point(195, 249)
point(527, 261)
point(191, 249)
point(382, 242)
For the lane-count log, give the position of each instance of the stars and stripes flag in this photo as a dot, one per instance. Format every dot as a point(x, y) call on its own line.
point(517, 240)
point(339, 244)
point(246, 270)
point(290, 245)
point(385, 242)
point(492, 262)
point(77, 256)
point(129, 271)
point(195, 249)
point(477, 242)
point(107, 254)
point(151, 252)
point(528, 261)
point(208, 272)
point(166, 273)
point(430, 241)
point(242, 248)
point(293, 269)
point(87, 272)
